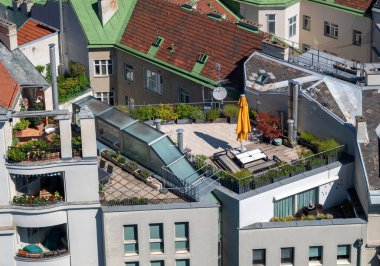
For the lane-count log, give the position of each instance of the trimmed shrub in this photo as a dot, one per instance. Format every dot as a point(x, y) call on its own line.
point(144, 113)
point(132, 165)
point(121, 160)
point(231, 110)
point(197, 113)
point(16, 155)
point(165, 112)
point(213, 114)
point(184, 110)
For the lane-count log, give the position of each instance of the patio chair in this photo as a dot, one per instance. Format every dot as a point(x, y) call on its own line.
point(109, 169)
point(102, 164)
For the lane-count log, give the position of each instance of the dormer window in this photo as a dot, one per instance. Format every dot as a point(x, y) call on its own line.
point(158, 41)
point(262, 79)
point(202, 58)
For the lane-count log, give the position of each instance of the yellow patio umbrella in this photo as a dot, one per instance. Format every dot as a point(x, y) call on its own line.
point(243, 123)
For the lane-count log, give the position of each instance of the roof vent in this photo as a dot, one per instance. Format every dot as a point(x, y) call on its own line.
point(216, 15)
point(158, 41)
point(262, 79)
point(248, 25)
point(189, 5)
point(202, 58)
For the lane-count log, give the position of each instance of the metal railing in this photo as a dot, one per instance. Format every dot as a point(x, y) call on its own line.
point(266, 177)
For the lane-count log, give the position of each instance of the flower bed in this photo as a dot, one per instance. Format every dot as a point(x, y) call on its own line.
point(37, 201)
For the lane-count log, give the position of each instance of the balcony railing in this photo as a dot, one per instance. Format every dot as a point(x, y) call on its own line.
point(32, 154)
point(264, 178)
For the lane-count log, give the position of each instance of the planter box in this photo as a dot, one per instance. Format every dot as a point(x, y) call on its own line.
point(200, 121)
point(220, 120)
point(168, 122)
point(232, 120)
point(308, 145)
point(149, 122)
point(184, 121)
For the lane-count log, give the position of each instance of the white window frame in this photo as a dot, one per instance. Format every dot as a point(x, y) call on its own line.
point(152, 77)
point(269, 21)
point(333, 30)
point(108, 64)
point(135, 242)
point(106, 97)
point(306, 22)
point(157, 240)
point(293, 26)
point(128, 72)
point(357, 38)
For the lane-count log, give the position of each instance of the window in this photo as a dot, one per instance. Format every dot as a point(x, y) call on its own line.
point(288, 206)
point(306, 22)
point(287, 255)
point(103, 67)
point(184, 96)
point(305, 47)
point(156, 242)
point(357, 38)
point(183, 262)
point(271, 19)
point(343, 254)
point(106, 97)
point(182, 237)
point(292, 26)
point(157, 263)
point(153, 81)
point(258, 257)
point(331, 30)
point(315, 254)
point(128, 72)
point(134, 263)
point(284, 207)
point(130, 240)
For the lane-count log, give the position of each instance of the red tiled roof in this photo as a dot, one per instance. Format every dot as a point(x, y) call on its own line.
point(32, 30)
point(362, 5)
point(191, 33)
point(207, 6)
point(8, 88)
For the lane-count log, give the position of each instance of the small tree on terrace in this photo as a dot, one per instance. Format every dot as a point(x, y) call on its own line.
point(268, 124)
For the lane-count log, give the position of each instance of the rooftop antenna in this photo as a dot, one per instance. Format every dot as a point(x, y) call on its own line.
point(219, 93)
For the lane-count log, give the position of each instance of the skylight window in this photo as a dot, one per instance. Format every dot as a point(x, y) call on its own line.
point(157, 42)
point(202, 58)
point(262, 79)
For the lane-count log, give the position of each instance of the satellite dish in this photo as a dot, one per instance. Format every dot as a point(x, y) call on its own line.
point(219, 93)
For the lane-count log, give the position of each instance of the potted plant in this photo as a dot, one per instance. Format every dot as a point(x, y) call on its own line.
point(213, 114)
point(184, 112)
point(268, 124)
point(166, 113)
point(232, 112)
point(198, 116)
point(143, 174)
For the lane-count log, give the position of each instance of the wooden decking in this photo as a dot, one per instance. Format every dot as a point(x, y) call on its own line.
point(283, 153)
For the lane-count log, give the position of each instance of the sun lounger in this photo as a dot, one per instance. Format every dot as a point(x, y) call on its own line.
point(252, 158)
point(247, 154)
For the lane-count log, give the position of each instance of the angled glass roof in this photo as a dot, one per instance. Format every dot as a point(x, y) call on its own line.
point(95, 106)
point(116, 118)
point(143, 132)
point(171, 156)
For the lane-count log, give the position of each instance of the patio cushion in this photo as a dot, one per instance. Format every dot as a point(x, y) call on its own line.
point(33, 248)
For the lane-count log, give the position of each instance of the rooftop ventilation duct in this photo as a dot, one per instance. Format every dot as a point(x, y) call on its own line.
point(53, 69)
point(372, 74)
point(293, 90)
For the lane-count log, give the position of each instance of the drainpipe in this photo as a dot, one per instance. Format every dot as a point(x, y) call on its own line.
point(53, 69)
point(290, 130)
point(295, 109)
point(360, 244)
point(180, 139)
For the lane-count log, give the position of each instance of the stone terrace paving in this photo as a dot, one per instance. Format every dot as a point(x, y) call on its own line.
point(212, 138)
point(124, 185)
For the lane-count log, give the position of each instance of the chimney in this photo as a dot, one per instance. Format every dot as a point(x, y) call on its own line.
point(26, 6)
point(275, 48)
point(16, 4)
point(53, 69)
point(293, 89)
point(107, 8)
point(8, 34)
point(361, 130)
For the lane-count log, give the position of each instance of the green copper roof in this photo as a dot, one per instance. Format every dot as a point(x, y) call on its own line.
point(269, 3)
point(87, 13)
